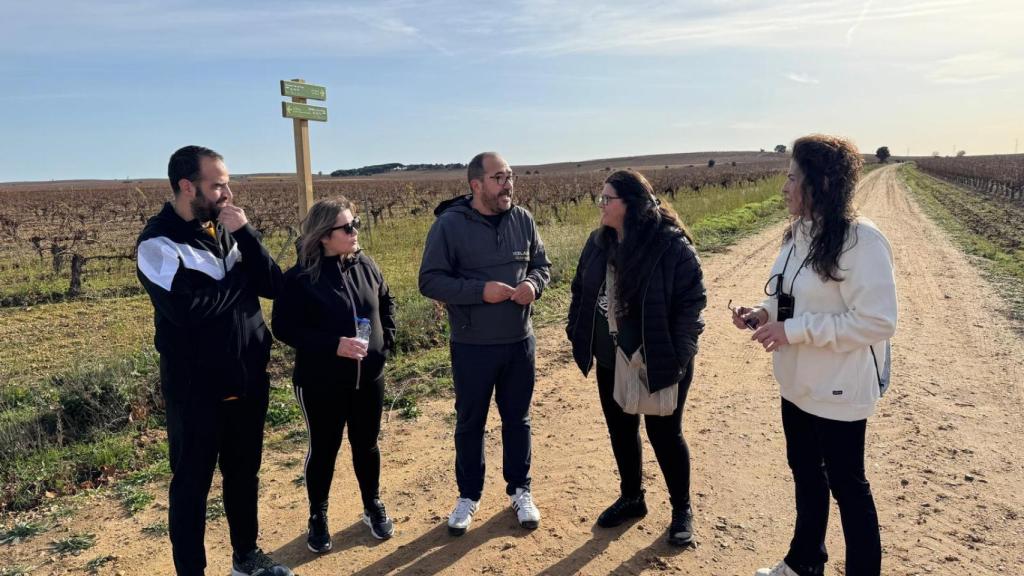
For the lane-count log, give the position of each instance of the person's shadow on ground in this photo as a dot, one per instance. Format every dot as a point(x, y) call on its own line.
point(430, 553)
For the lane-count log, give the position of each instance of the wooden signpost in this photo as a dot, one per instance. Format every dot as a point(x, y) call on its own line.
point(301, 113)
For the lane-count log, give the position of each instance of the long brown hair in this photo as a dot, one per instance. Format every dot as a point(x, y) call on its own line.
point(647, 224)
point(315, 226)
point(831, 167)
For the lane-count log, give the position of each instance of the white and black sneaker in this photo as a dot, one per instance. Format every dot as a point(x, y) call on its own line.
point(376, 517)
point(257, 563)
point(462, 516)
point(319, 538)
point(526, 511)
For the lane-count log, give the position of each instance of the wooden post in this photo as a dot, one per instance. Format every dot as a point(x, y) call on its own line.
point(303, 169)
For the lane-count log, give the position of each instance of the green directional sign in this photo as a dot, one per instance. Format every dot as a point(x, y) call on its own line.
point(303, 90)
point(303, 111)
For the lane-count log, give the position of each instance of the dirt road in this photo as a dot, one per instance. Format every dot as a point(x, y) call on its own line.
point(945, 453)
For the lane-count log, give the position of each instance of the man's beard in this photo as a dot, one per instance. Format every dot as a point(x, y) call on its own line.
point(496, 206)
point(203, 209)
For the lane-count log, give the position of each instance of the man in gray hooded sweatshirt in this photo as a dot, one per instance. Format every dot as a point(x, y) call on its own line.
point(485, 261)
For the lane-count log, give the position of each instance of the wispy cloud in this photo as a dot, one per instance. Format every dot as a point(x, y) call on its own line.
point(581, 26)
point(251, 29)
point(265, 28)
point(800, 78)
point(860, 20)
point(974, 68)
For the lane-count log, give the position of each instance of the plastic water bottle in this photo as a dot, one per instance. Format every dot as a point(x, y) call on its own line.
point(363, 330)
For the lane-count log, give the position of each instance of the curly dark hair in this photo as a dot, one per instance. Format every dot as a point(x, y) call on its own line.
point(831, 168)
point(647, 225)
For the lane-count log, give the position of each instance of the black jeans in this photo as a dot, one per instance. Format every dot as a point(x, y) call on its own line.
point(664, 432)
point(507, 371)
point(828, 455)
point(202, 431)
point(327, 410)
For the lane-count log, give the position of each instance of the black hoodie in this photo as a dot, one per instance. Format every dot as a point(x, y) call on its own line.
point(464, 251)
point(311, 317)
point(209, 326)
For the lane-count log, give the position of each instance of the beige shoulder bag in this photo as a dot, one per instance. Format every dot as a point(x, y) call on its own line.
point(631, 390)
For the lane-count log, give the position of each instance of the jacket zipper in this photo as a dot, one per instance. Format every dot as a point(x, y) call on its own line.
point(239, 325)
point(643, 306)
point(355, 323)
point(593, 329)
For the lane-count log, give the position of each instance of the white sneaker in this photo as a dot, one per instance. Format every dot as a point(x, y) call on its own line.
point(781, 569)
point(462, 516)
point(525, 509)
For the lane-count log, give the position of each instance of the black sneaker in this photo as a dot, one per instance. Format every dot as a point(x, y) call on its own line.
point(319, 538)
point(256, 563)
point(680, 531)
point(376, 517)
point(624, 508)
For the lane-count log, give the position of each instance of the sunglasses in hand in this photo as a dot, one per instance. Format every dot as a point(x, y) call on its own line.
point(751, 322)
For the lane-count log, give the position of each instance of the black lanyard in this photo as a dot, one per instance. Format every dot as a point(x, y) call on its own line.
point(781, 276)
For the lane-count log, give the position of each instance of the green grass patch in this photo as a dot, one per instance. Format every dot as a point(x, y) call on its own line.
point(78, 405)
point(716, 232)
point(156, 529)
point(74, 544)
point(20, 531)
point(40, 341)
point(133, 498)
point(215, 508)
point(94, 565)
point(416, 375)
point(15, 570)
point(47, 473)
point(283, 409)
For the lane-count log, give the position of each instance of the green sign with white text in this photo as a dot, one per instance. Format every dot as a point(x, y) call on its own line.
point(303, 111)
point(302, 90)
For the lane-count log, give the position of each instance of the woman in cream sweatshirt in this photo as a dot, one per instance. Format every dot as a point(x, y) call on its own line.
point(830, 311)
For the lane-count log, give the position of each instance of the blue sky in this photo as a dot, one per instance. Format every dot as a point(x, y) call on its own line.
point(109, 89)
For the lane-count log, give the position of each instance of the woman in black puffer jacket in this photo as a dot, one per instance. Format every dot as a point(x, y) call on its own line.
point(659, 295)
point(338, 378)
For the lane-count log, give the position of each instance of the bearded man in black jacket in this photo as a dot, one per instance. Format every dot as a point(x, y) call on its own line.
point(204, 268)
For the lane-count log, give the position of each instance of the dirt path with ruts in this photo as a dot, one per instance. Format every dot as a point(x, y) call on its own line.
point(945, 453)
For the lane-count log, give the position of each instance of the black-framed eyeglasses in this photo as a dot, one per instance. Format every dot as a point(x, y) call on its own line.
point(503, 179)
point(604, 199)
point(349, 228)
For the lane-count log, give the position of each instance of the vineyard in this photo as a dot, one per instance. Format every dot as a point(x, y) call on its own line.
point(1001, 175)
point(65, 240)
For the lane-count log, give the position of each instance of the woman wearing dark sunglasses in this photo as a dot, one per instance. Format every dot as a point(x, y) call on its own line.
point(338, 378)
point(658, 293)
point(830, 311)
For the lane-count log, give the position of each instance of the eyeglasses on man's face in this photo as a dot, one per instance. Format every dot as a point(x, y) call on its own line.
point(349, 228)
point(502, 178)
point(604, 199)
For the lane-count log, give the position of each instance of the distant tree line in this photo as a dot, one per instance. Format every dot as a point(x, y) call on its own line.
point(396, 167)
